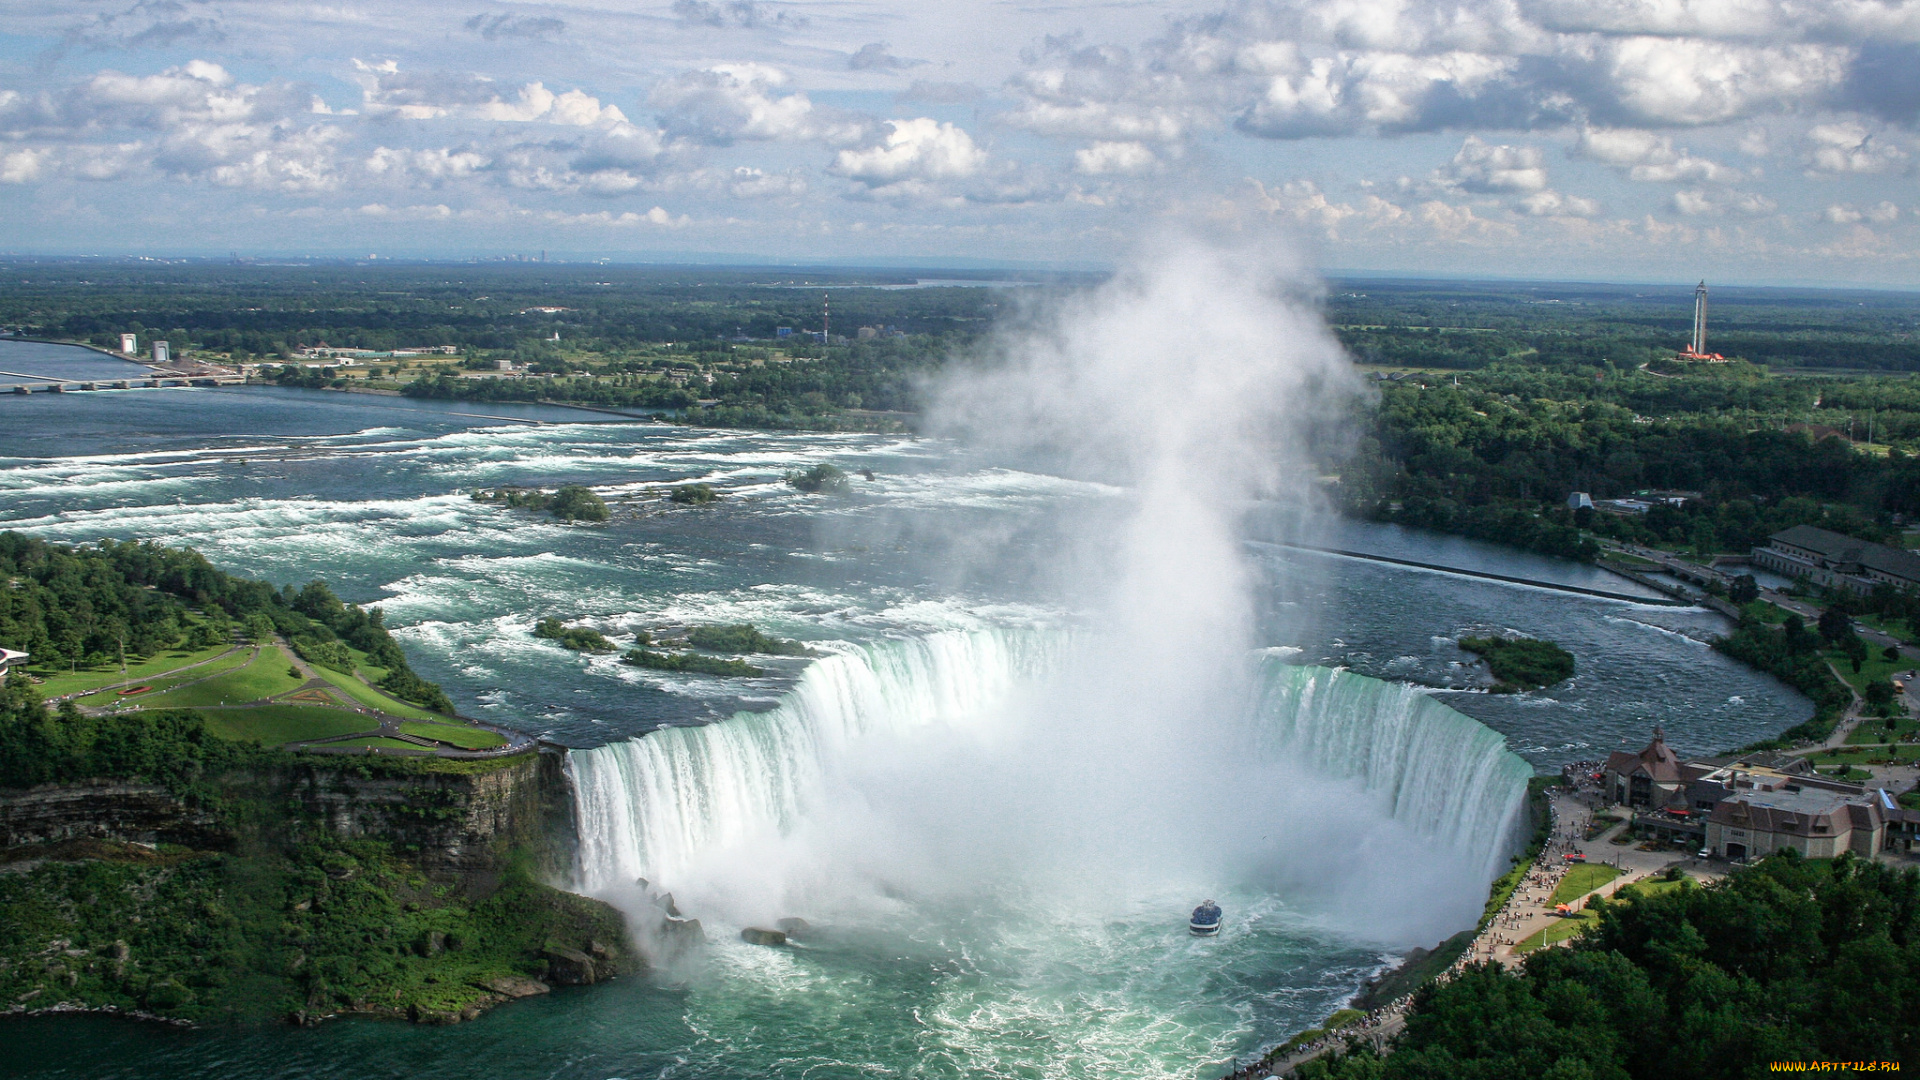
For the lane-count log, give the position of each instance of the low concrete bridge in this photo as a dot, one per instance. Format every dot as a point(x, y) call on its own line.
point(39, 384)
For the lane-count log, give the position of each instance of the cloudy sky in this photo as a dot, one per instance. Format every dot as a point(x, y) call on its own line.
point(1755, 140)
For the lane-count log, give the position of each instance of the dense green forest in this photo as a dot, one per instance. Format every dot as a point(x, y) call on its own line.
point(1789, 960)
point(1494, 454)
point(92, 605)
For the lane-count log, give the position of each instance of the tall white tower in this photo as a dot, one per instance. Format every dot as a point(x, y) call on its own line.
point(160, 354)
point(129, 343)
point(1699, 321)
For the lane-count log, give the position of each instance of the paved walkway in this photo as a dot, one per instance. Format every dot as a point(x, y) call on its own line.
point(1531, 909)
point(154, 678)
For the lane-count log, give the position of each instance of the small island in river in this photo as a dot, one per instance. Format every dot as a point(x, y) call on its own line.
point(1520, 663)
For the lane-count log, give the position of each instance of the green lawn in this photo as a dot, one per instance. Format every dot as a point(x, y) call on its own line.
point(380, 741)
point(1557, 931)
point(163, 683)
point(272, 725)
point(1872, 729)
point(461, 735)
point(1874, 667)
point(370, 697)
point(372, 674)
point(1860, 755)
point(1655, 886)
point(1582, 879)
point(263, 678)
point(58, 682)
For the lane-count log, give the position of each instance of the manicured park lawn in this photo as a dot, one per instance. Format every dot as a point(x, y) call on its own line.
point(461, 735)
point(1654, 887)
point(272, 725)
point(370, 697)
point(1873, 729)
point(1860, 755)
point(263, 678)
point(1557, 931)
point(161, 684)
point(1582, 879)
point(58, 682)
point(1873, 668)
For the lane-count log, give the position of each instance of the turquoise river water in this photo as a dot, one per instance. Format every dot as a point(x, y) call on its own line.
point(979, 937)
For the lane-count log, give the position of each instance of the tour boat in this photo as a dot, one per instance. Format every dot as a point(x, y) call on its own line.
point(1206, 919)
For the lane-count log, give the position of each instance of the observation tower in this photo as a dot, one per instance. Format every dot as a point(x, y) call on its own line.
point(1697, 348)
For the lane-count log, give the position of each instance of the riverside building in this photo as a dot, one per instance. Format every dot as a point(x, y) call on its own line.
point(1837, 561)
point(1750, 805)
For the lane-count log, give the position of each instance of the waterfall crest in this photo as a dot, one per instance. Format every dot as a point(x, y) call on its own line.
point(649, 806)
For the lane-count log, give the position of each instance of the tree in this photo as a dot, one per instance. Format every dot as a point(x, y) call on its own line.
point(1743, 589)
point(1794, 635)
point(576, 502)
point(1855, 649)
point(1835, 624)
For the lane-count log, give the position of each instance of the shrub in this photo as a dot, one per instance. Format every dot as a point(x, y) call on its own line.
point(743, 638)
point(577, 638)
point(821, 479)
point(687, 661)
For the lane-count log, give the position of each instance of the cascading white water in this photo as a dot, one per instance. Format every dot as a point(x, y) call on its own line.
point(649, 806)
point(1445, 773)
point(654, 806)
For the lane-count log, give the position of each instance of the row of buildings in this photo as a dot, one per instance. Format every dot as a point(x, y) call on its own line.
point(1752, 805)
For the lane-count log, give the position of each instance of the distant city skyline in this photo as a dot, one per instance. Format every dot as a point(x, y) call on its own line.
point(1619, 140)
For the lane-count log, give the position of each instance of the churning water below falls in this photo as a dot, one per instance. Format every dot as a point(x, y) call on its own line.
point(997, 875)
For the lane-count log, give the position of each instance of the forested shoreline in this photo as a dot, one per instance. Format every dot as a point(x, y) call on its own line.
point(1790, 960)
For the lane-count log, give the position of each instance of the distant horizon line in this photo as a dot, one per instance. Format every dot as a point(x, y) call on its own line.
point(894, 264)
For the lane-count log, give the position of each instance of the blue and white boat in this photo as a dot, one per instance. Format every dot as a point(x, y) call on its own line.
point(1206, 919)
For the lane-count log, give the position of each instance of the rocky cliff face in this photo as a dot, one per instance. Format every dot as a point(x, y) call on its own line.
point(107, 810)
point(454, 825)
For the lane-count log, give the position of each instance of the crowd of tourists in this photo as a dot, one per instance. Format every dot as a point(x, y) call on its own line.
point(1375, 1027)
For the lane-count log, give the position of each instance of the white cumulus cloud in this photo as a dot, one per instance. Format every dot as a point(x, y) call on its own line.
point(917, 149)
point(1124, 158)
point(1851, 148)
point(1485, 168)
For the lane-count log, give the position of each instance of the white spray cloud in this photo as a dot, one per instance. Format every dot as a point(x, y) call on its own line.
point(1200, 378)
